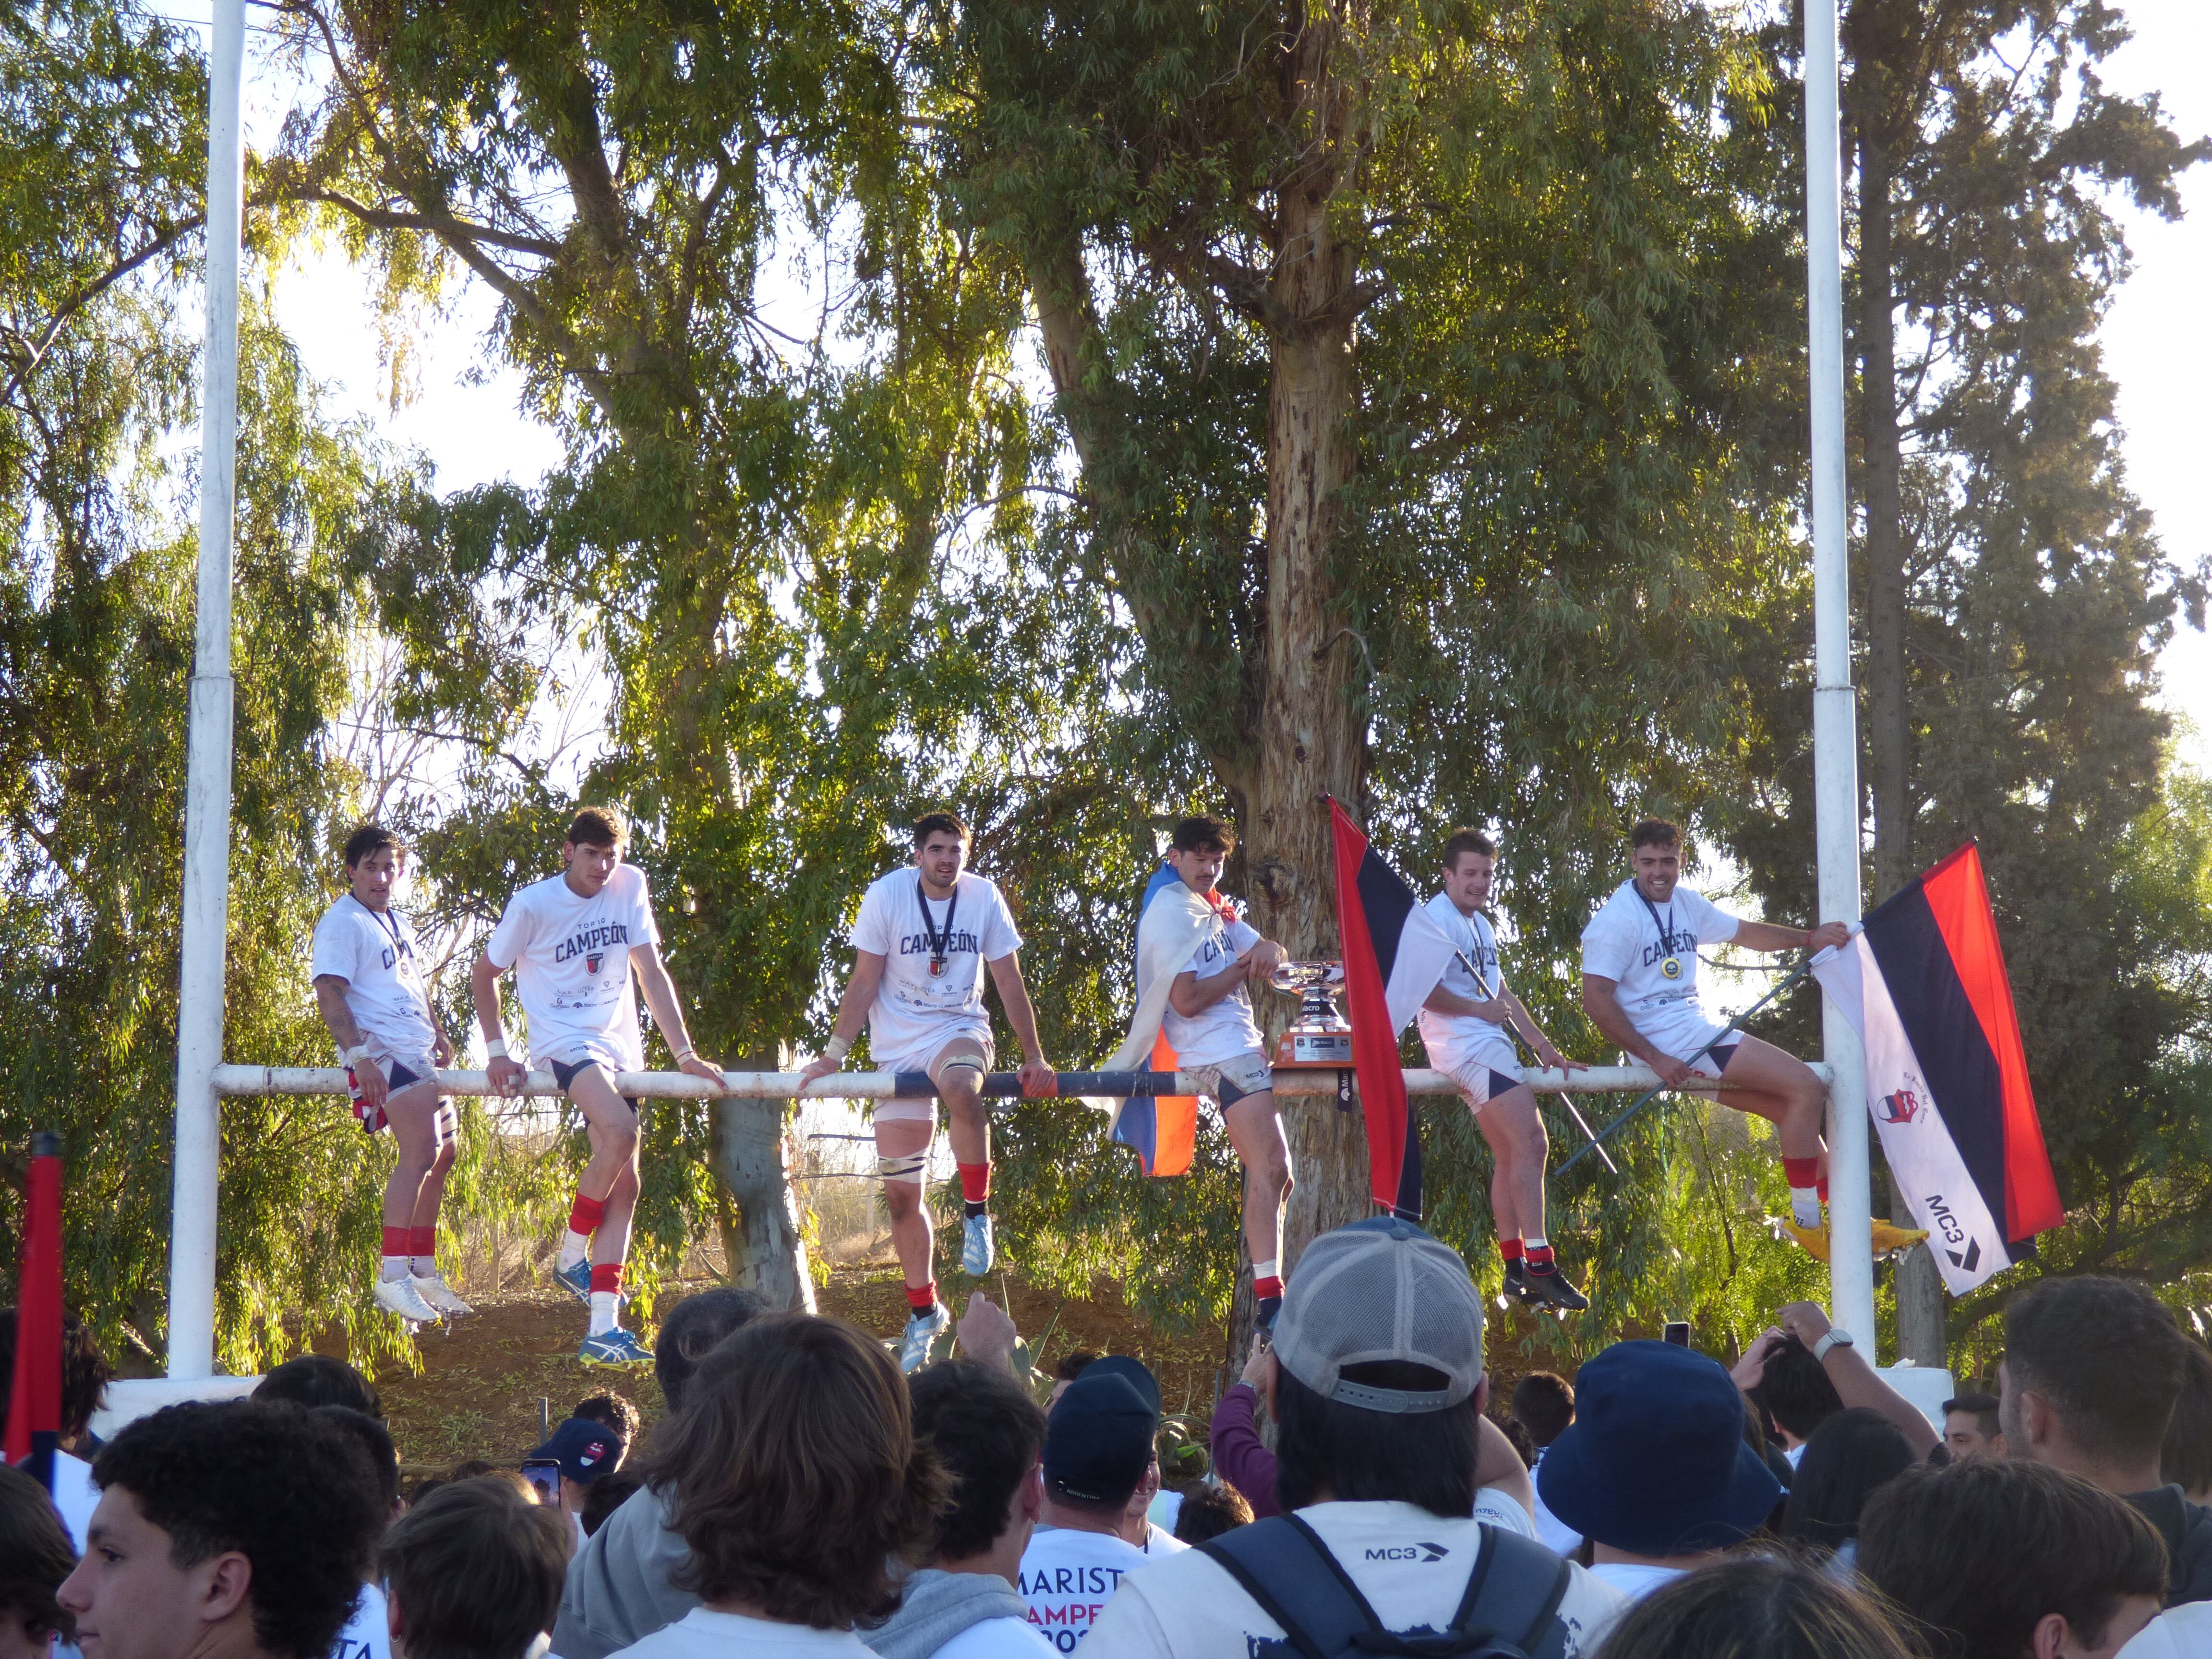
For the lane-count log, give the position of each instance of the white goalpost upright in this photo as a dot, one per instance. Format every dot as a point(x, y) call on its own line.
point(206, 898)
point(1835, 719)
point(203, 1078)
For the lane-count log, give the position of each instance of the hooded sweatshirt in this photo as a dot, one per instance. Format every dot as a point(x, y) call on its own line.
point(937, 1607)
point(618, 1591)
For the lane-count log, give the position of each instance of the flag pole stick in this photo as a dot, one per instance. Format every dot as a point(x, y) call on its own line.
point(1644, 1099)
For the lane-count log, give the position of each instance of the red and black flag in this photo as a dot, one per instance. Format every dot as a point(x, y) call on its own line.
point(35, 1394)
point(1946, 1078)
point(1394, 956)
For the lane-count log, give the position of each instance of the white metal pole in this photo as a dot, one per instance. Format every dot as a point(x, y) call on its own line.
point(1835, 720)
point(206, 896)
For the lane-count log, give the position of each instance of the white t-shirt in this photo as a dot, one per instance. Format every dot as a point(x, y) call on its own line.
point(916, 1012)
point(74, 1497)
point(997, 1638)
point(368, 1634)
point(1225, 1029)
point(1158, 1540)
point(704, 1633)
point(1634, 1580)
point(1553, 1534)
point(2179, 1632)
point(571, 959)
point(374, 952)
point(1067, 1575)
point(1624, 944)
point(1454, 1040)
point(1411, 1565)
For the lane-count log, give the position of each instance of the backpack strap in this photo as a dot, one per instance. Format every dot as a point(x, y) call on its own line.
point(1285, 1567)
point(1516, 1603)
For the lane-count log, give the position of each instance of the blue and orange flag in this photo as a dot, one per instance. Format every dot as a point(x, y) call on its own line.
point(1947, 1075)
point(1163, 1130)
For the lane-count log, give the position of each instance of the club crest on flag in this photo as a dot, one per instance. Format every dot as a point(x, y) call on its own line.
point(1900, 1108)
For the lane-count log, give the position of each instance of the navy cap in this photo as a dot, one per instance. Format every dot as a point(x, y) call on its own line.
point(1139, 1374)
point(1655, 1462)
point(1098, 1440)
point(584, 1449)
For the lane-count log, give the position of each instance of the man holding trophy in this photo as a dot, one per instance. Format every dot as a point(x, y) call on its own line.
point(1208, 1021)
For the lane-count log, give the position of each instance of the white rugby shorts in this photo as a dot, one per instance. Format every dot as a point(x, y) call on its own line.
point(1479, 1082)
point(1229, 1082)
point(966, 1049)
point(1690, 1033)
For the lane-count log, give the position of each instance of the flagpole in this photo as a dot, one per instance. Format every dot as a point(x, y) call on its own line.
point(1835, 719)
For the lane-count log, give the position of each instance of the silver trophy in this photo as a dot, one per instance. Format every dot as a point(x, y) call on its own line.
point(1320, 1036)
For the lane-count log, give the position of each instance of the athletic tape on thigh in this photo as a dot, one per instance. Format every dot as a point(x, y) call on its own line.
point(974, 1063)
point(907, 1166)
point(445, 1124)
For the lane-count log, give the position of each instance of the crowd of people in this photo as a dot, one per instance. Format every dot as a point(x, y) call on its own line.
point(804, 1497)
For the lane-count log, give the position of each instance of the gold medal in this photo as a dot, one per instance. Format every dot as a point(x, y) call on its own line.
point(1672, 967)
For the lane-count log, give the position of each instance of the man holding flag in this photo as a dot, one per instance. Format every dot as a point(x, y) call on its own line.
point(1640, 989)
point(1467, 1024)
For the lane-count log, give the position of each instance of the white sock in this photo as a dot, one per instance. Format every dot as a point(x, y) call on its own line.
point(395, 1267)
point(424, 1266)
point(575, 1247)
point(1805, 1206)
point(1264, 1269)
point(603, 1311)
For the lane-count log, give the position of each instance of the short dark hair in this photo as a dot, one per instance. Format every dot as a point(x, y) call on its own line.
point(1424, 1458)
point(798, 1416)
point(376, 1441)
point(1770, 1606)
point(85, 1371)
point(1847, 1459)
point(940, 824)
point(987, 1433)
point(35, 1555)
point(1544, 1404)
point(597, 826)
point(1073, 1364)
point(1467, 841)
point(476, 1571)
point(1983, 1408)
point(1516, 1436)
point(1794, 1389)
point(1653, 832)
point(1201, 833)
point(319, 1379)
point(370, 838)
point(1978, 1552)
point(604, 1496)
point(2108, 1356)
point(611, 1410)
point(1211, 1509)
point(2185, 1461)
point(290, 1490)
point(693, 1327)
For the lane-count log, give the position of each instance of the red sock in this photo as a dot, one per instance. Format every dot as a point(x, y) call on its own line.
point(585, 1213)
point(395, 1242)
point(1511, 1249)
point(1271, 1286)
point(1540, 1257)
point(1822, 1187)
point(423, 1241)
point(922, 1297)
point(1801, 1172)
point(975, 1183)
point(606, 1276)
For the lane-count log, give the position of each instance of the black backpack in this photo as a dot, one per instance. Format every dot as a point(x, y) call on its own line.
point(1508, 1611)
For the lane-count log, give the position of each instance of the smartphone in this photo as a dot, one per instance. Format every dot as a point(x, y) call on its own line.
point(1677, 1332)
point(545, 1475)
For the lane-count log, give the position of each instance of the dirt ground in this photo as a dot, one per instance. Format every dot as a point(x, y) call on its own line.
point(483, 1382)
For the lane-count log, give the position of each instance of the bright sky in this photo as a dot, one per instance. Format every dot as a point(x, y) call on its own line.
point(2158, 339)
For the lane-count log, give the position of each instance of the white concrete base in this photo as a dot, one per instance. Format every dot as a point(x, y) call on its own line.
point(1926, 1385)
point(127, 1401)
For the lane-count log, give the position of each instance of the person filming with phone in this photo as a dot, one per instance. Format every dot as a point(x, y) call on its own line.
point(563, 1468)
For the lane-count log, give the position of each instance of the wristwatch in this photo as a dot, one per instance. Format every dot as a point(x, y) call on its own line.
point(1836, 1338)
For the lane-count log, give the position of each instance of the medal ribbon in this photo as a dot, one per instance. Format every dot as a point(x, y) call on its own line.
point(940, 945)
point(1666, 928)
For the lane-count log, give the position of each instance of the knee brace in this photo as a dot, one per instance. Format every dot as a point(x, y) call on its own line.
point(907, 1166)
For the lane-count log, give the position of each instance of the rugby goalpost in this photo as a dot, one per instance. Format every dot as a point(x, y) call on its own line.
point(203, 1080)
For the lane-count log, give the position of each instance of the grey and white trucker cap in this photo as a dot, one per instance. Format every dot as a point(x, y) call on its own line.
point(1381, 1289)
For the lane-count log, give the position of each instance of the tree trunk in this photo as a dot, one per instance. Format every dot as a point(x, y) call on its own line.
point(1309, 740)
point(1920, 1335)
point(762, 1244)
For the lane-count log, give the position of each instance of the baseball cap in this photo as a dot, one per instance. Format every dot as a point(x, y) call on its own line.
point(1377, 1289)
point(1655, 1462)
point(584, 1449)
point(1139, 1374)
point(1098, 1440)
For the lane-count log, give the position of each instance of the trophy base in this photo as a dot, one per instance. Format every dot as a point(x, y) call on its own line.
point(1311, 1048)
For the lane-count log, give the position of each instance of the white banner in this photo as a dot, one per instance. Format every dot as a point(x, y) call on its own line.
point(1925, 1168)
